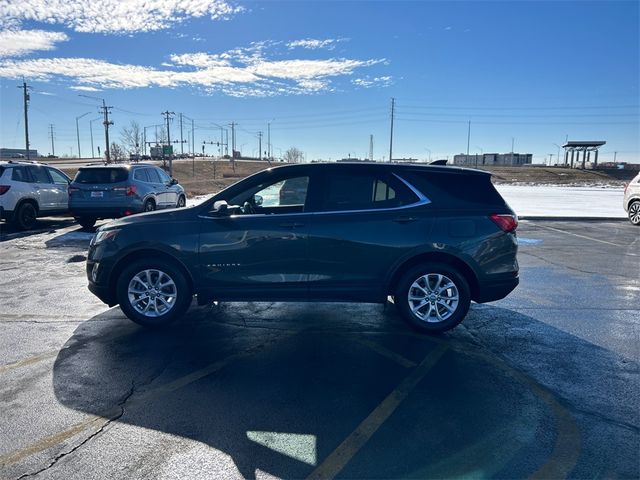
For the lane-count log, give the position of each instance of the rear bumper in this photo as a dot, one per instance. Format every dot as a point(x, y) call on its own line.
point(6, 214)
point(496, 289)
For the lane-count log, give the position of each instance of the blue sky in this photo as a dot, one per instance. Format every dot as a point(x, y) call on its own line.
point(323, 73)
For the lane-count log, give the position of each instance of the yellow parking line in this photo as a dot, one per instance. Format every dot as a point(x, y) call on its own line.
point(337, 459)
point(385, 352)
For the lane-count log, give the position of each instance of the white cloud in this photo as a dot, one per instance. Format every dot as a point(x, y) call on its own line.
point(15, 43)
point(81, 88)
point(114, 16)
point(243, 72)
point(313, 44)
point(368, 82)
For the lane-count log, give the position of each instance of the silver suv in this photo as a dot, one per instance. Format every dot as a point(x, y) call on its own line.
point(631, 200)
point(29, 190)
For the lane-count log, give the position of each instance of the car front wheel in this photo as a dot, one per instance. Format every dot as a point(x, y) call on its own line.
point(153, 293)
point(181, 202)
point(433, 297)
point(634, 212)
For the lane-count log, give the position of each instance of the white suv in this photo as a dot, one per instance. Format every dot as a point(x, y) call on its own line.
point(631, 200)
point(29, 190)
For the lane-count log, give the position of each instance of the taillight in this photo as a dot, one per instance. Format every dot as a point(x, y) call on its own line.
point(626, 185)
point(4, 189)
point(129, 190)
point(507, 222)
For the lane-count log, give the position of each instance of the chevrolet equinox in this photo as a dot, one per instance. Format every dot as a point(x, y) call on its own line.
point(433, 238)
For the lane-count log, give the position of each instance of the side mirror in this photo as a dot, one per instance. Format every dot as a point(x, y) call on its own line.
point(221, 209)
point(173, 182)
point(258, 200)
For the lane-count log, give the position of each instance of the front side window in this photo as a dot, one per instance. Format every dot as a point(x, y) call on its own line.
point(164, 178)
point(58, 178)
point(153, 175)
point(287, 195)
point(353, 191)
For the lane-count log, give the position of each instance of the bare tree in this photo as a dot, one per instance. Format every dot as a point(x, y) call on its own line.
point(117, 153)
point(293, 155)
point(161, 135)
point(131, 137)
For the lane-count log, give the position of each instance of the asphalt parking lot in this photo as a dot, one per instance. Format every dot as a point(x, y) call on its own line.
point(543, 384)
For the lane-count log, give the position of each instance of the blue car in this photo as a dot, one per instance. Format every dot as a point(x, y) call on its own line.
point(106, 191)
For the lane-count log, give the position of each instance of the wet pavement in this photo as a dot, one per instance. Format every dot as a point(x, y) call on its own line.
point(543, 384)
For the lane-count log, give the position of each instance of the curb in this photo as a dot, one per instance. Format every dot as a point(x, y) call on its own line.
point(574, 219)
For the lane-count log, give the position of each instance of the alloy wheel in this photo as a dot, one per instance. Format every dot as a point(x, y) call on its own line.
point(152, 293)
point(634, 213)
point(433, 297)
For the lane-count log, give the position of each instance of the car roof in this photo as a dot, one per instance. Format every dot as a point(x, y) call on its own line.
point(384, 166)
point(126, 166)
point(5, 163)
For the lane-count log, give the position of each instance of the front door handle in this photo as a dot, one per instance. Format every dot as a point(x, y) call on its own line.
point(292, 225)
point(405, 219)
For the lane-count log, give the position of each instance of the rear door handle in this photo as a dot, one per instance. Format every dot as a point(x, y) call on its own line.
point(292, 225)
point(405, 219)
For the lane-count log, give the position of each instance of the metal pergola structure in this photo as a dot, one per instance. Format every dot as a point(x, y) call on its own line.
point(586, 148)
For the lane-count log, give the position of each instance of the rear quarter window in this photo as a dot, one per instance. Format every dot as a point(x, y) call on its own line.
point(101, 175)
point(454, 190)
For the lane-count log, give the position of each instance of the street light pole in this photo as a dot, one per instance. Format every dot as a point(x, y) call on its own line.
point(78, 132)
point(93, 155)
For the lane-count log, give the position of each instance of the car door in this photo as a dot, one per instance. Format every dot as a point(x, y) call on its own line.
point(44, 186)
point(159, 189)
point(366, 220)
point(60, 190)
point(259, 251)
point(170, 192)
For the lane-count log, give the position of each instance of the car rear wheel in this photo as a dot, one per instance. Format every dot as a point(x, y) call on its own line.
point(149, 206)
point(433, 297)
point(153, 293)
point(25, 216)
point(87, 223)
point(634, 212)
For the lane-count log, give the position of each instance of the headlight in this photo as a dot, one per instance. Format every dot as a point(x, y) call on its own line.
point(104, 235)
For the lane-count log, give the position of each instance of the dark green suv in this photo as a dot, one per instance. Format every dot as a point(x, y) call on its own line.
point(433, 238)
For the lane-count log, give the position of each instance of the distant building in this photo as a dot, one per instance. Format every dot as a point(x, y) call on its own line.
point(489, 159)
point(8, 153)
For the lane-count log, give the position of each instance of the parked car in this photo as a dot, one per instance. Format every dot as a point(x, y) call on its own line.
point(631, 201)
point(29, 190)
point(434, 238)
point(116, 191)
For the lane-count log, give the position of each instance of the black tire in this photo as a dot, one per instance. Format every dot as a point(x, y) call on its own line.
point(438, 303)
point(182, 292)
point(149, 205)
point(25, 216)
point(182, 202)
point(87, 223)
point(634, 212)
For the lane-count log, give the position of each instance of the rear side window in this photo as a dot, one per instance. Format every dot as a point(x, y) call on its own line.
point(101, 175)
point(453, 190)
point(20, 174)
point(39, 175)
point(344, 191)
point(140, 174)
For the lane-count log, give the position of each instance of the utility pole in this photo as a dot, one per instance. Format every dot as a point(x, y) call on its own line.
point(78, 132)
point(371, 148)
point(193, 136)
point(269, 141)
point(233, 146)
point(181, 140)
point(51, 135)
point(468, 139)
point(25, 95)
point(167, 115)
point(106, 122)
point(259, 145)
point(615, 154)
point(393, 107)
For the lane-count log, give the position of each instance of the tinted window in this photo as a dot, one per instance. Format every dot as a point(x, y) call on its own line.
point(58, 177)
point(153, 175)
point(453, 190)
point(20, 174)
point(140, 174)
point(164, 178)
point(343, 191)
point(101, 175)
point(39, 175)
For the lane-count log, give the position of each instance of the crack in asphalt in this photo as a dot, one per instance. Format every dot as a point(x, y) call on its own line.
point(121, 405)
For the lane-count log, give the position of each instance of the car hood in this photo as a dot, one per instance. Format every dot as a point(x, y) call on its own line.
point(160, 216)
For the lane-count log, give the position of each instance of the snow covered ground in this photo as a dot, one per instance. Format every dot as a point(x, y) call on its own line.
point(550, 201)
point(557, 201)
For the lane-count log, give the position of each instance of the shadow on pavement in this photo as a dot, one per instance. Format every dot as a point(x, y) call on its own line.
point(277, 387)
point(8, 231)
